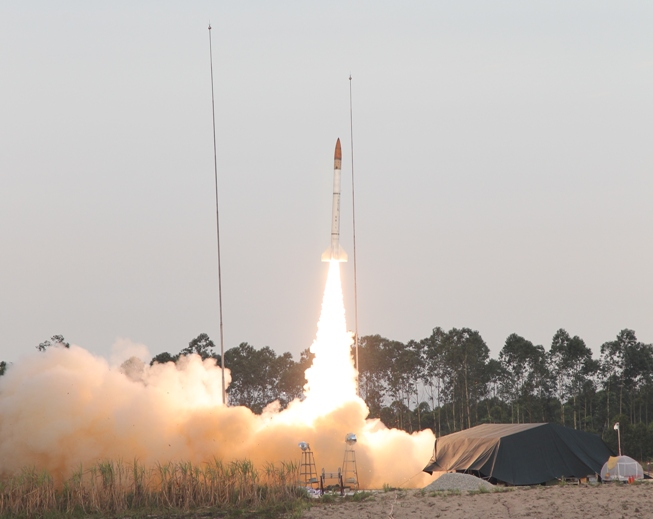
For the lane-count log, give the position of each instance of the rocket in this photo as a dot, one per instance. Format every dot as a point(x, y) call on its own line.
point(335, 252)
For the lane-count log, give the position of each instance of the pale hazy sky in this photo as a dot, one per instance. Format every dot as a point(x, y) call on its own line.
point(503, 162)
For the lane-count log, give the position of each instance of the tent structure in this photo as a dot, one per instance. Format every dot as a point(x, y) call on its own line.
point(621, 468)
point(521, 454)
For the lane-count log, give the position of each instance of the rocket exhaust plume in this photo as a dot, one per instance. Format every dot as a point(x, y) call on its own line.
point(67, 407)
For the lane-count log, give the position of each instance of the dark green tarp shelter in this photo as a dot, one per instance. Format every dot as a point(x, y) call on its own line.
point(522, 454)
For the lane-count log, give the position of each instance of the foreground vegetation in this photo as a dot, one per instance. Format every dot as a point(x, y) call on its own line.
point(116, 489)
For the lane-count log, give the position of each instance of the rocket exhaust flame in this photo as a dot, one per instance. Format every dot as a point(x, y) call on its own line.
point(65, 408)
point(331, 380)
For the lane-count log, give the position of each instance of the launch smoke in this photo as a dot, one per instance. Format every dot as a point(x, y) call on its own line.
point(66, 407)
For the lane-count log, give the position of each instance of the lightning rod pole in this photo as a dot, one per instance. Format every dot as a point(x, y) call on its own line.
point(217, 220)
point(353, 212)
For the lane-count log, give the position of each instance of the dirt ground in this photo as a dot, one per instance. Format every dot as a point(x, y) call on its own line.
point(560, 502)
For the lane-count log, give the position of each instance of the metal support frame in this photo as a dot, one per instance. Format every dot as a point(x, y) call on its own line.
point(349, 470)
point(308, 470)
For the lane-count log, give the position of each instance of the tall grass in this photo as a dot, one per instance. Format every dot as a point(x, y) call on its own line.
point(115, 487)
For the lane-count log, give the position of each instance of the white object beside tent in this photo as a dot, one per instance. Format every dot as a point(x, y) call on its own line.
point(621, 468)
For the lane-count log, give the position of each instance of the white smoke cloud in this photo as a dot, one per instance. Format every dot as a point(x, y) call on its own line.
point(66, 407)
point(124, 349)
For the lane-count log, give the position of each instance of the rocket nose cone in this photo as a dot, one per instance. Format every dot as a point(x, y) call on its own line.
point(338, 154)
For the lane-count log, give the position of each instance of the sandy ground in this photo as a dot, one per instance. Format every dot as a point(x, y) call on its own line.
point(560, 502)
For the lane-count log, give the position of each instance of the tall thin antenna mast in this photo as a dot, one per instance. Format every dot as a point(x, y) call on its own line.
point(353, 212)
point(217, 220)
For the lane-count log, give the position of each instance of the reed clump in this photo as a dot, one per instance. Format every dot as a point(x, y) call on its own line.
point(111, 487)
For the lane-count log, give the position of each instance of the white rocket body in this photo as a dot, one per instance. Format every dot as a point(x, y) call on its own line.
point(335, 252)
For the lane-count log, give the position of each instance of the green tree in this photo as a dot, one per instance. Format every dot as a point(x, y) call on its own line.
point(571, 361)
point(406, 372)
point(202, 345)
point(285, 388)
point(55, 340)
point(164, 357)
point(638, 378)
point(373, 371)
point(494, 405)
point(258, 376)
point(3, 368)
point(465, 357)
point(292, 378)
point(433, 373)
point(522, 364)
point(613, 366)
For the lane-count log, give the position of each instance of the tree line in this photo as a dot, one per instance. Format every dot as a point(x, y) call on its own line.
point(258, 376)
point(448, 382)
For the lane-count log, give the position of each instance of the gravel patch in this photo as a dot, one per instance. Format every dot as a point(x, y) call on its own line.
point(462, 482)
